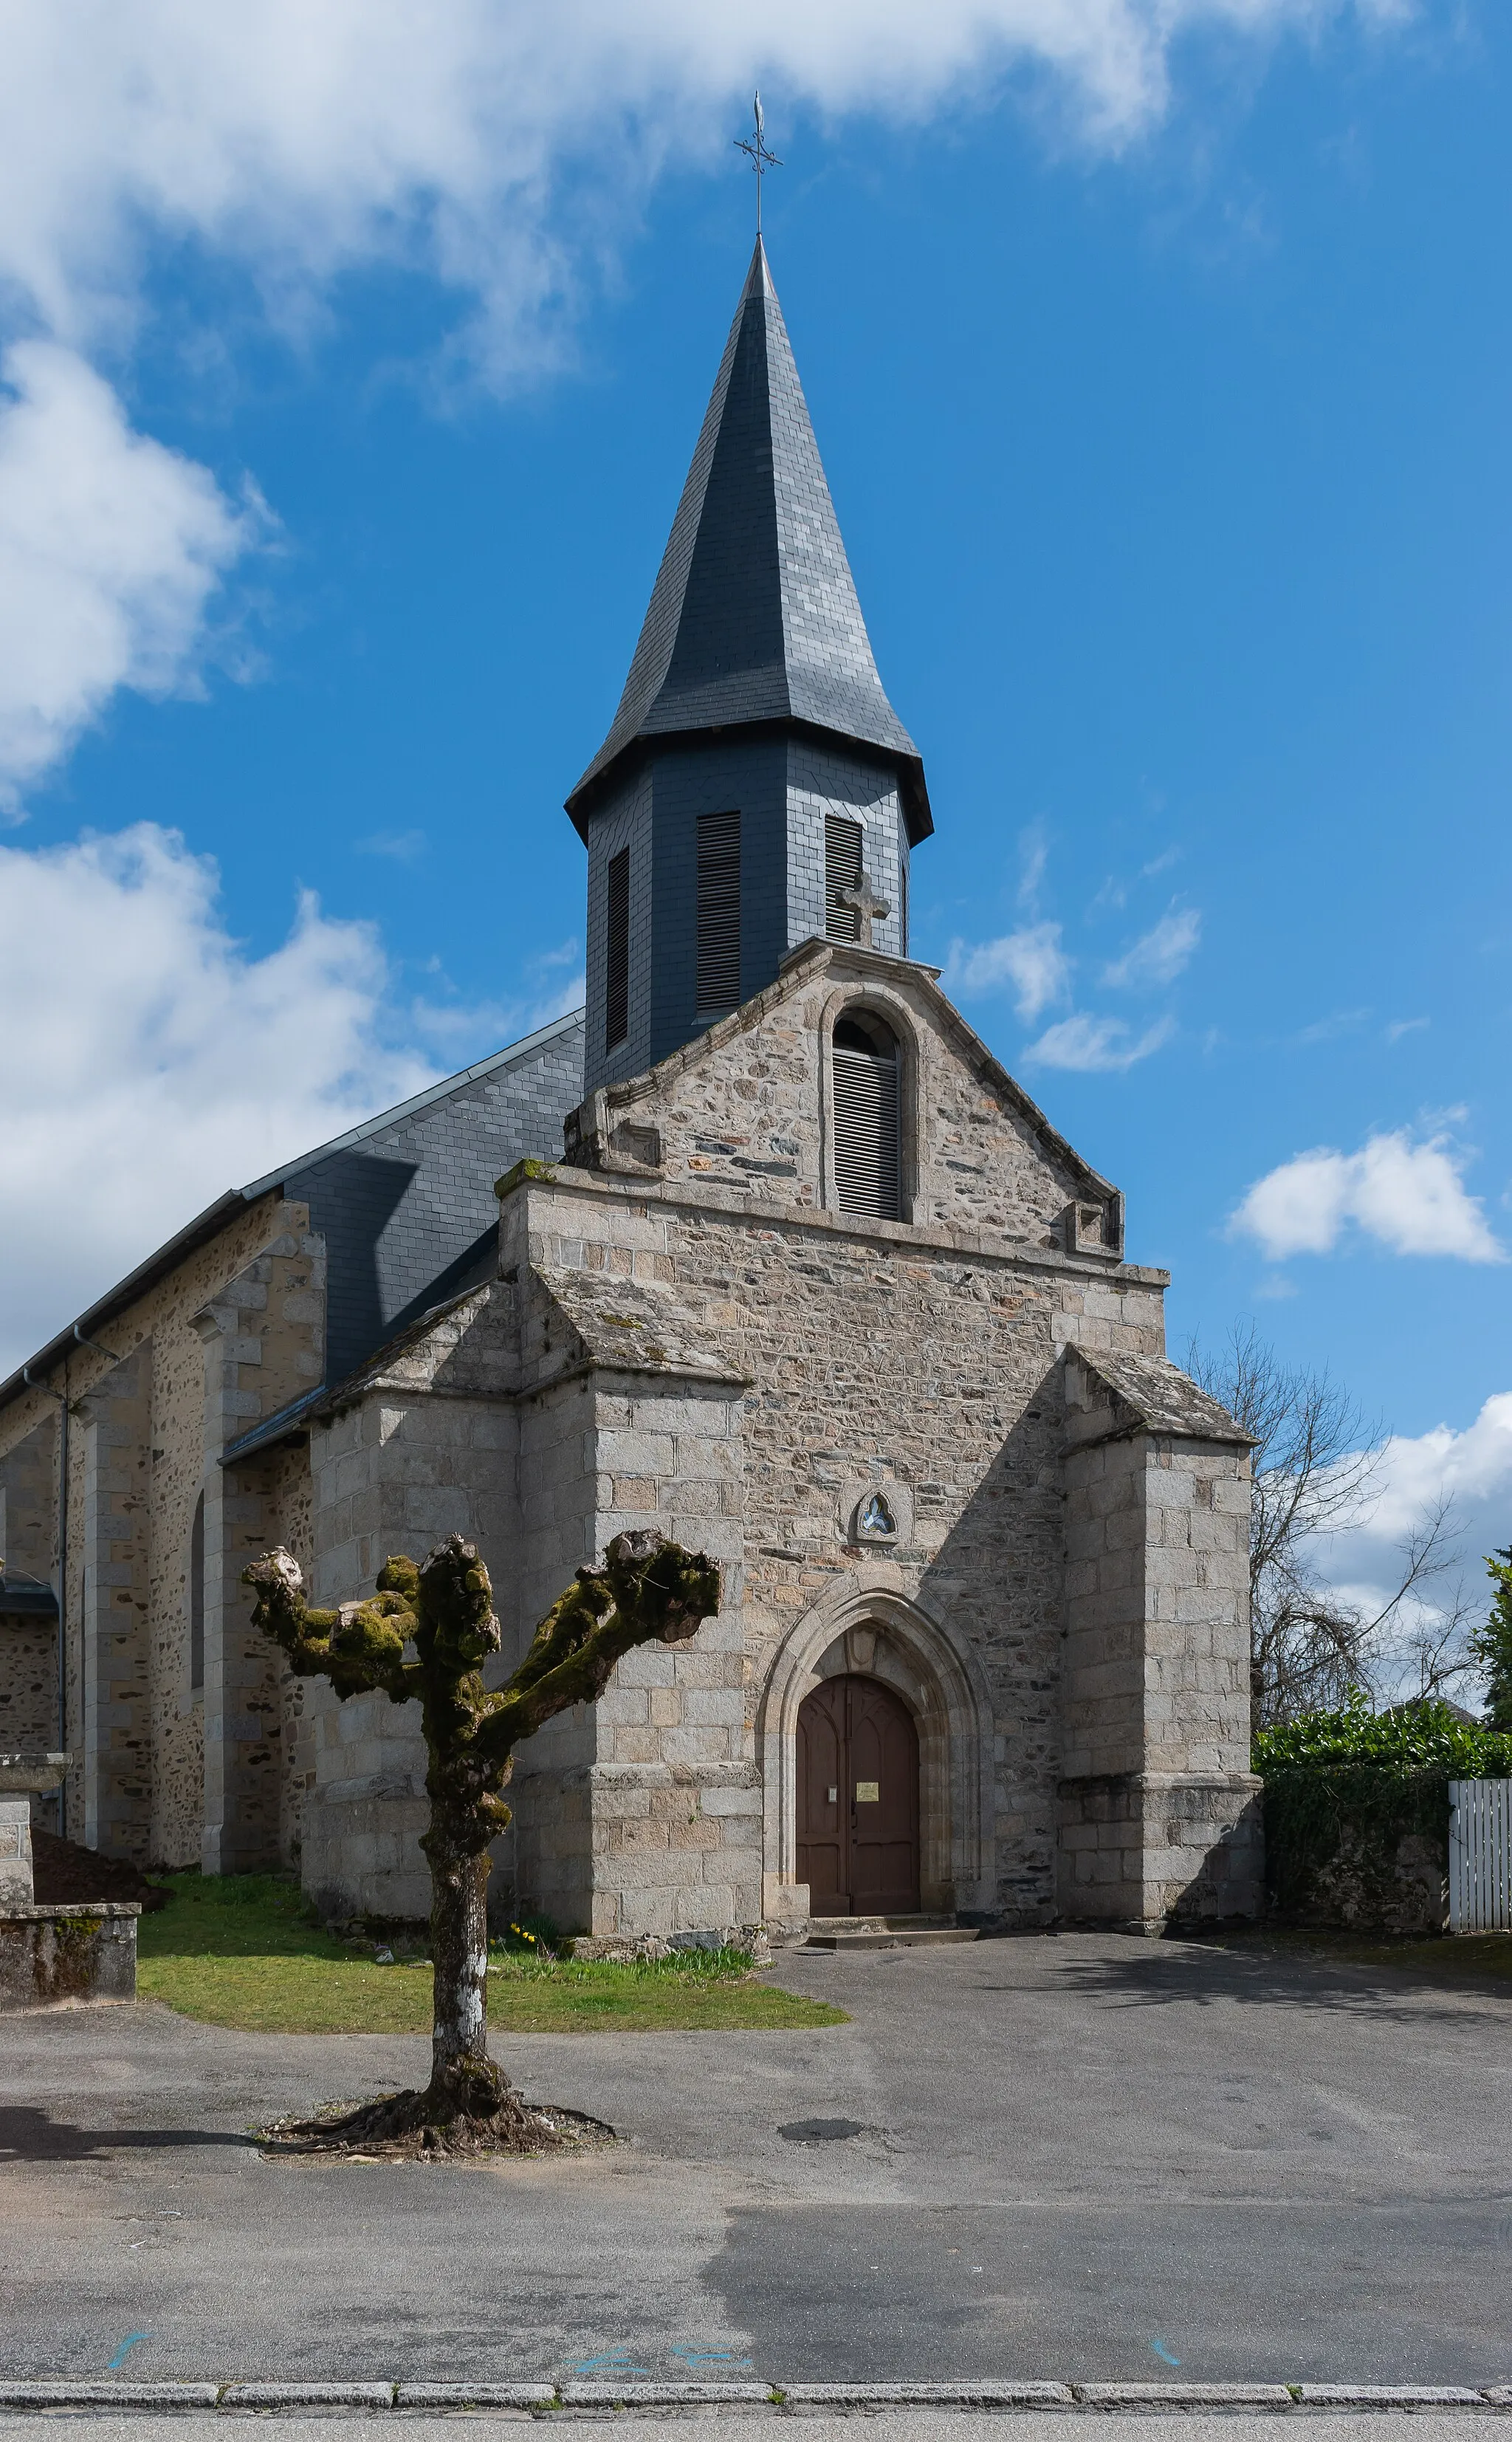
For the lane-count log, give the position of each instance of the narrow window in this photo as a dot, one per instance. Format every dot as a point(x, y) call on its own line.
point(864, 1065)
point(902, 902)
point(842, 871)
point(617, 956)
point(196, 1598)
point(718, 983)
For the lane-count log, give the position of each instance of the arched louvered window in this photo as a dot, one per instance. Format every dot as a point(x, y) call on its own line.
point(865, 1065)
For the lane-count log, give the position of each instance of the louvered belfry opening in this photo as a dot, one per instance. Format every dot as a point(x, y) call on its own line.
point(718, 983)
point(842, 871)
point(865, 1064)
point(617, 958)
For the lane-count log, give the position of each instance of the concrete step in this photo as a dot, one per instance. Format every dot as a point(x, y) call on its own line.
point(885, 1933)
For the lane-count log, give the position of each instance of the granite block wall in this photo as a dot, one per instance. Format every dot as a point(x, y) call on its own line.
point(873, 1356)
point(1159, 1813)
point(29, 1688)
point(117, 1726)
point(746, 1106)
point(261, 1337)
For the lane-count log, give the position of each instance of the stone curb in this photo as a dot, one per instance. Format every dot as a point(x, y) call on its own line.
point(307, 2395)
point(1370, 2394)
point(475, 2395)
point(1185, 2395)
point(546, 2398)
point(663, 2395)
point(936, 2395)
point(82, 2392)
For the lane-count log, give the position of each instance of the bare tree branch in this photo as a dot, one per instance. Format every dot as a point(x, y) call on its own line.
point(1316, 1475)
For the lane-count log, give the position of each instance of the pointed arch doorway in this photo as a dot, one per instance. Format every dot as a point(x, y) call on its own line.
point(858, 1799)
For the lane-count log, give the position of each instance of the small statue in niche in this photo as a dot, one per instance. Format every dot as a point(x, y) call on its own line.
point(875, 1521)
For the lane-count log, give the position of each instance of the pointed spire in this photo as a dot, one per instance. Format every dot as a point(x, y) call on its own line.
point(753, 616)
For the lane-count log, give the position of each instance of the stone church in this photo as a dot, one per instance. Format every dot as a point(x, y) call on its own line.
point(764, 1249)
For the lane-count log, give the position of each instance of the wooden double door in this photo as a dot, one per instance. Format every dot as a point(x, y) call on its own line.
point(858, 1800)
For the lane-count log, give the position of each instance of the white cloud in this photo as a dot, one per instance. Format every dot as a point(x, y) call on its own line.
point(1157, 957)
point(1030, 963)
point(1409, 1196)
point(1473, 1467)
point(1033, 856)
point(1096, 1043)
point(402, 847)
point(497, 148)
point(147, 1063)
point(489, 143)
point(111, 547)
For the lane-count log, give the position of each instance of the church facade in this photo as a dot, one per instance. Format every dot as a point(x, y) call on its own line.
point(764, 1249)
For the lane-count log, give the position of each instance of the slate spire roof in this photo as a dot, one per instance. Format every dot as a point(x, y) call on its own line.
point(753, 616)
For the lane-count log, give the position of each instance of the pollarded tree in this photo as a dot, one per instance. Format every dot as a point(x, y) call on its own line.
point(426, 1634)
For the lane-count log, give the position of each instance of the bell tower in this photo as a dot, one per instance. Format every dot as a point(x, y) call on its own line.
point(757, 787)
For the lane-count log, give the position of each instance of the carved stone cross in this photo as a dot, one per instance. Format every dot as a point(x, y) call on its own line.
point(861, 901)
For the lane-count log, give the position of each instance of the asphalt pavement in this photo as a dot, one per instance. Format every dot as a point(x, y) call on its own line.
point(1073, 2157)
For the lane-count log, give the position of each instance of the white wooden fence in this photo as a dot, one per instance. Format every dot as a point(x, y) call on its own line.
point(1480, 1856)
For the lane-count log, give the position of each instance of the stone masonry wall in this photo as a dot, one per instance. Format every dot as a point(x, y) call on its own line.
point(29, 1686)
point(117, 1725)
point(876, 1356)
point(427, 1449)
point(1158, 1810)
point(745, 1106)
point(677, 1803)
point(263, 1340)
point(28, 1499)
point(290, 1509)
point(162, 1316)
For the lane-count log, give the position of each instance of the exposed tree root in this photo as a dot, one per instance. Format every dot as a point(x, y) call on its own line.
point(412, 2127)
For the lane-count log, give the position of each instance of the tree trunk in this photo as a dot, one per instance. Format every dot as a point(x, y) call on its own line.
point(464, 2083)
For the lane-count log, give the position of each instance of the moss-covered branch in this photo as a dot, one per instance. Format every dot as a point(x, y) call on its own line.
point(648, 1590)
point(358, 1649)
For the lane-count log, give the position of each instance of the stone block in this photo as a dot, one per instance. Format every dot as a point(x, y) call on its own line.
point(49, 1955)
point(16, 1884)
point(732, 1801)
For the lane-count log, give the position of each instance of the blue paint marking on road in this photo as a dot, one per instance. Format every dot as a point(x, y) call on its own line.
point(714, 2356)
point(125, 2350)
point(616, 2362)
point(1161, 2351)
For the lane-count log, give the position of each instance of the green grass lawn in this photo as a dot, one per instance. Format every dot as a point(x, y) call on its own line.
point(243, 1950)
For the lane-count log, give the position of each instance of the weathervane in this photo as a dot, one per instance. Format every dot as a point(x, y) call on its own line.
point(761, 160)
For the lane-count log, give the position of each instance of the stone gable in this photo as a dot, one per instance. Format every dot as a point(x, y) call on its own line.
point(744, 1106)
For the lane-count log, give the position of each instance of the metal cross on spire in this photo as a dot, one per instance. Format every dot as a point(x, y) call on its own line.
point(761, 160)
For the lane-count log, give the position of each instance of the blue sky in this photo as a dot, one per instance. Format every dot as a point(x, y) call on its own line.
point(1163, 391)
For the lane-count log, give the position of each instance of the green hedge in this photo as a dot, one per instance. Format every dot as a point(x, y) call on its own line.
point(1365, 1782)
